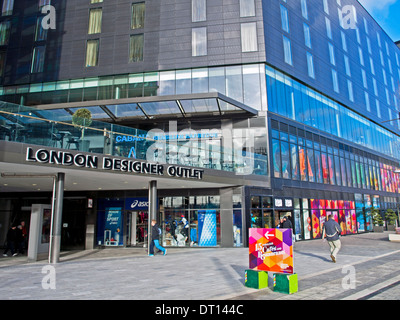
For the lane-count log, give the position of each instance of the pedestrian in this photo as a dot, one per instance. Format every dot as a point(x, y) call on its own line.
point(24, 242)
point(155, 239)
point(287, 224)
point(11, 238)
point(281, 223)
point(332, 231)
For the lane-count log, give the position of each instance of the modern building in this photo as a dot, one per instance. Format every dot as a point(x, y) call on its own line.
point(238, 112)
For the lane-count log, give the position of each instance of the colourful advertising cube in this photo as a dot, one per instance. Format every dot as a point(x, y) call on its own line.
point(285, 283)
point(256, 279)
point(271, 250)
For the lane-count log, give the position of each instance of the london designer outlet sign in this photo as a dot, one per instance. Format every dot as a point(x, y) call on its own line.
point(64, 158)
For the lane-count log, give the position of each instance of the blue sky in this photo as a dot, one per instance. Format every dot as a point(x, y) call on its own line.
point(387, 14)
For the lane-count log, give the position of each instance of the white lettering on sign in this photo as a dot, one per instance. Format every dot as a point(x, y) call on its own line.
point(64, 158)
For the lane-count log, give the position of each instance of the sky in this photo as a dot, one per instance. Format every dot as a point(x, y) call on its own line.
point(387, 14)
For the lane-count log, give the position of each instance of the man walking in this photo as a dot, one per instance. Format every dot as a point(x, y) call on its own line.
point(332, 231)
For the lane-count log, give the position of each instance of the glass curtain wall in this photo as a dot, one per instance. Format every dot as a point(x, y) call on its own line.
point(244, 83)
point(294, 100)
point(304, 156)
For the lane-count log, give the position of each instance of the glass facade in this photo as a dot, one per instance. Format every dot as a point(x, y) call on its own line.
point(243, 83)
point(184, 220)
point(292, 99)
point(300, 155)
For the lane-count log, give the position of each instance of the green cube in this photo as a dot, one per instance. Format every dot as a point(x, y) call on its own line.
point(256, 279)
point(286, 283)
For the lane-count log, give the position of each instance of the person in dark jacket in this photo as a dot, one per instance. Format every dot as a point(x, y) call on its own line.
point(332, 231)
point(287, 224)
point(155, 239)
point(11, 239)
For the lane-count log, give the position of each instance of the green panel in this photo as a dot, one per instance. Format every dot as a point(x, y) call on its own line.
point(285, 283)
point(256, 279)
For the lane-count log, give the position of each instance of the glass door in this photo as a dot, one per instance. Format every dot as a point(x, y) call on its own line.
point(137, 224)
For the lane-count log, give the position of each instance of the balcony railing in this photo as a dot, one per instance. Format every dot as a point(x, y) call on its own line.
point(56, 129)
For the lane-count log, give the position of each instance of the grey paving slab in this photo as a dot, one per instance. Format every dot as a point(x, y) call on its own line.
point(205, 274)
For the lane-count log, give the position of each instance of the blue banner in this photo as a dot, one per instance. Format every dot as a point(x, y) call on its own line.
point(207, 226)
point(113, 226)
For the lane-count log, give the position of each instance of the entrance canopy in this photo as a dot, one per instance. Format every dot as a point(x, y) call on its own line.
point(26, 168)
point(155, 107)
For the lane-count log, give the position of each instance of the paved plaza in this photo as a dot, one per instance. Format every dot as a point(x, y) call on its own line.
point(367, 268)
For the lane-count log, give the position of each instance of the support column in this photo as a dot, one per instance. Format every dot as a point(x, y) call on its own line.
point(152, 214)
point(226, 217)
point(57, 222)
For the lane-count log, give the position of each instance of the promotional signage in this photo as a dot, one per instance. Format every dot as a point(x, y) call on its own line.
point(91, 161)
point(140, 204)
point(207, 227)
point(284, 203)
point(271, 250)
point(113, 227)
point(142, 137)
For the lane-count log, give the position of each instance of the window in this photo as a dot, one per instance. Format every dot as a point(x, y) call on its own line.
point(371, 62)
point(96, 1)
point(375, 86)
point(138, 13)
point(7, 8)
point(199, 42)
point(95, 17)
point(3, 55)
point(43, 3)
point(326, 6)
point(364, 78)
point(350, 89)
point(335, 81)
point(360, 53)
point(304, 11)
point(136, 48)
point(38, 59)
point(378, 108)
point(284, 19)
point(328, 28)
point(247, 8)
point(307, 35)
point(367, 103)
point(378, 38)
point(344, 42)
point(4, 32)
point(347, 65)
point(199, 11)
point(41, 33)
point(366, 26)
point(92, 53)
point(310, 65)
point(331, 54)
point(249, 37)
point(287, 51)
